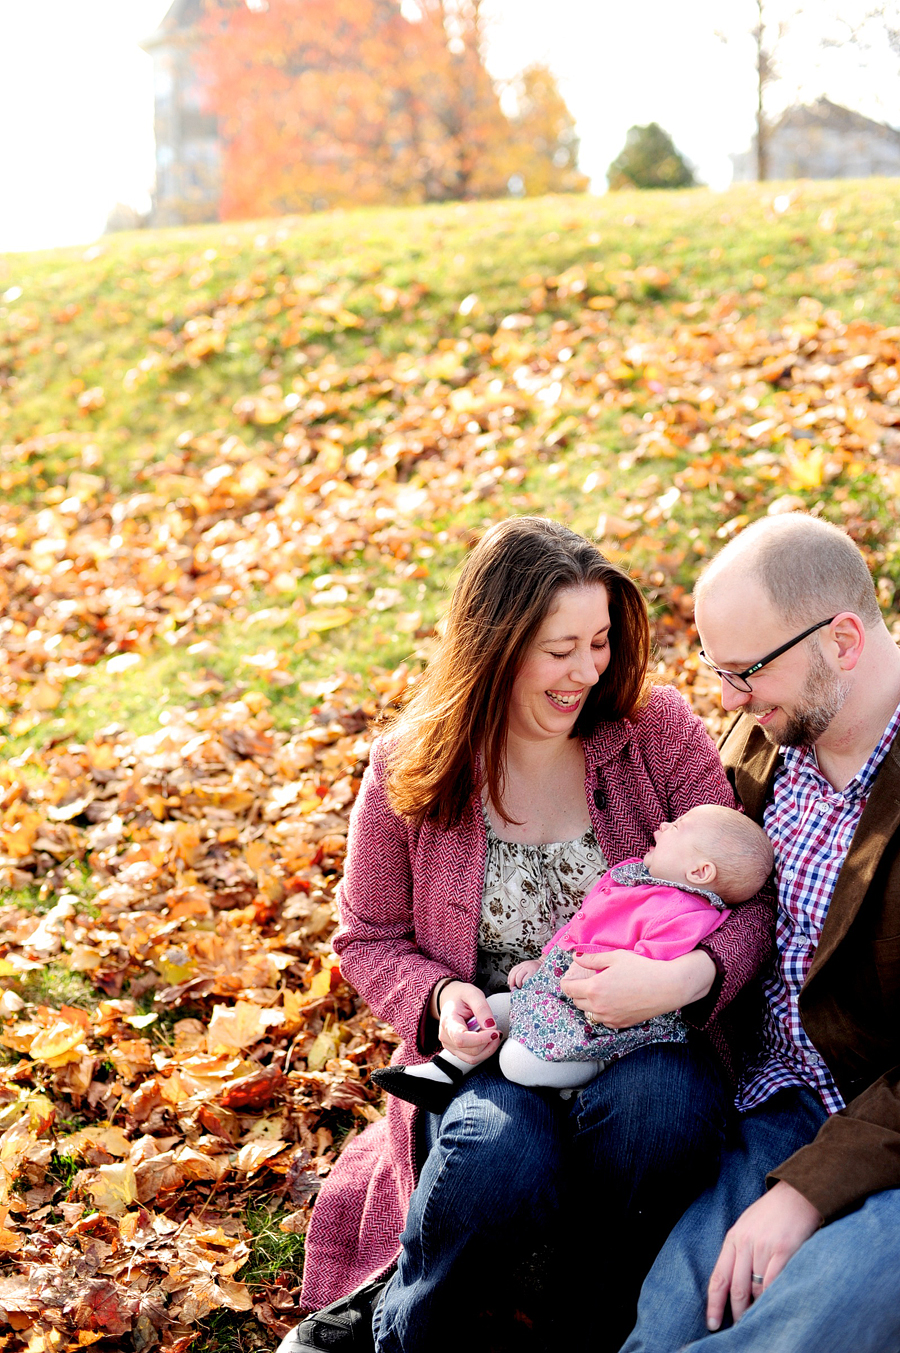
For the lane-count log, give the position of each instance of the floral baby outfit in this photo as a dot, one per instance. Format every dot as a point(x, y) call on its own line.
point(626, 909)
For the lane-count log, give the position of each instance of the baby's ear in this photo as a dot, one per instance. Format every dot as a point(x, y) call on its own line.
point(702, 874)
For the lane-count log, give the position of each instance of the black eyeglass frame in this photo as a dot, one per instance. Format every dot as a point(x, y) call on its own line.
point(734, 678)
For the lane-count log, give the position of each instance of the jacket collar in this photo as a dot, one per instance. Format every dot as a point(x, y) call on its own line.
point(752, 762)
point(606, 742)
point(635, 874)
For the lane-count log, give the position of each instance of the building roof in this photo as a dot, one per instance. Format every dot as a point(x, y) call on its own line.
point(824, 113)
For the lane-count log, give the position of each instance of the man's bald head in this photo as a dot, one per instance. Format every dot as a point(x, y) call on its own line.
point(807, 568)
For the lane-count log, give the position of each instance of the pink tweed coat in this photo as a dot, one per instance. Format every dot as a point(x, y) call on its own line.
point(410, 905)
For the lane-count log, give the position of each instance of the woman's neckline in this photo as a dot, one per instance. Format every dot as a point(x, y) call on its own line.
point(535, 845)
point(544, 795)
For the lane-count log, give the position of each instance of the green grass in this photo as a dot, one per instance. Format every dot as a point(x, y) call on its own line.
point(386, 286)
point(55, 986)
point(273, 1252)
point(374, 285)
point(170, 675)
point(30, 898)
point(106, 309)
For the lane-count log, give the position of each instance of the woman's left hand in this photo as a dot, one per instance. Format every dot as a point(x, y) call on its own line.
point(625, 988)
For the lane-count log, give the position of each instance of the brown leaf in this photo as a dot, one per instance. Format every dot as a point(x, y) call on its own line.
point(112, 1188)
point(102, 1303)
point(253, 1091)
point(301, 1183)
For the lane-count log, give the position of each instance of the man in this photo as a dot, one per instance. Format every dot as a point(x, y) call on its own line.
point(808, 1259)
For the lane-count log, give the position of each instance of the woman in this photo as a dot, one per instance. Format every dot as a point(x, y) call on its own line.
point(531, 756)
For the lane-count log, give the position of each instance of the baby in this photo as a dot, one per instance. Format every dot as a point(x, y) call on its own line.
point(707, 860)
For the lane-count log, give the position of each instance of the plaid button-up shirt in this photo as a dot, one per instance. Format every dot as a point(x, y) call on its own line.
point(810, 825)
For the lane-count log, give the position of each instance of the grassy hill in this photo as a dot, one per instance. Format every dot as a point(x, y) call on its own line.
point(368, 385)
point(239, 465)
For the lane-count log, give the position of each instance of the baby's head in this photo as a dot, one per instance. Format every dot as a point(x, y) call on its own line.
point(715, 848)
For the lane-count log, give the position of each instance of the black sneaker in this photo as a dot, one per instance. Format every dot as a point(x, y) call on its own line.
point(346, 1324)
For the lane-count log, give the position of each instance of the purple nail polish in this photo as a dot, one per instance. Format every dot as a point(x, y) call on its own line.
point(489, 1023)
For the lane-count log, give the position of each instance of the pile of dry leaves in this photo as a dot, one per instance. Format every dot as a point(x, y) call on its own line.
point(234, 1066)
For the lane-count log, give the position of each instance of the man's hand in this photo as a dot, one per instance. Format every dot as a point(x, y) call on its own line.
point(522, 971)
point(757, 1248)
point(626, 988)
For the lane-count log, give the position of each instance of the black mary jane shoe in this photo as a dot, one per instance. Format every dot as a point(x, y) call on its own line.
point(345, 1325)
point(433, 1096)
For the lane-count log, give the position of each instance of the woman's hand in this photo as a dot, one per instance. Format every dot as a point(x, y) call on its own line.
point(462, 1004)
point(626, 988)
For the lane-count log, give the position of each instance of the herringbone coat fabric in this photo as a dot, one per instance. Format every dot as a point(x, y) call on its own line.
point(410, 905)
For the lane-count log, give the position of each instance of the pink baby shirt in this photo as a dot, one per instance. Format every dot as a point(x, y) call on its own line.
point(656, 920)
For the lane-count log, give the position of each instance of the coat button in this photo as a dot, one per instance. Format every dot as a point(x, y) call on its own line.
point(600, 799)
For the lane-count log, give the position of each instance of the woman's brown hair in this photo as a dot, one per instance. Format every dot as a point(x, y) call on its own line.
point(457, 716)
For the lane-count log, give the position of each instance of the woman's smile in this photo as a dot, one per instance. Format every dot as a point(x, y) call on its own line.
point(572, 644)
point(565, 699)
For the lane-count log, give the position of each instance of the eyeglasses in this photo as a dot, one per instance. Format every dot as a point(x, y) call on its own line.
point(740, 680)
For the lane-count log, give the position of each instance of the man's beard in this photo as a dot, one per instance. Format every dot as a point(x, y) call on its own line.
point(821, 698)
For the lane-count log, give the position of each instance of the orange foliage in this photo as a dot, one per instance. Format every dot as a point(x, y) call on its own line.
point(337, 102)
point(546, 143)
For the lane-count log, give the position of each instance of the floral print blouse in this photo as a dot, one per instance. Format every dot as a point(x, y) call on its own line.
point(530, 892)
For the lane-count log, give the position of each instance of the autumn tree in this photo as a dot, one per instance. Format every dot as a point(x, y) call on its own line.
point(305, 94)
point(649, 159)
point(545, 154)
point(460, 132)
point(338, 102)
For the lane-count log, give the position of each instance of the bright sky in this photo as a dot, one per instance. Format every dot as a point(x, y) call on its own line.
point(77, 104)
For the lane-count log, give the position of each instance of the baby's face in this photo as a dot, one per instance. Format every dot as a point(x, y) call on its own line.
point(680, 847)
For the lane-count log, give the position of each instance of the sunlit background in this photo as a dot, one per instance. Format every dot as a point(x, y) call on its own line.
point(76, 96)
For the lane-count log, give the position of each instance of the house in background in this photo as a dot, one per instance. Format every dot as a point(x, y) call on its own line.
point(188, 149)
point(824, 141)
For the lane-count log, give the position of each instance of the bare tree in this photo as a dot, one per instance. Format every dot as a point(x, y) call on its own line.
point(767, 34)
point(764, 73)
point(877, 23)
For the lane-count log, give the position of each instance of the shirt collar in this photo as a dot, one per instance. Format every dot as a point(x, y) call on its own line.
point(633, 873)
point(802, 760)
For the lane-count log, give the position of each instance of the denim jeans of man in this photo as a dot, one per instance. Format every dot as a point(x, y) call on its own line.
point(598, 1180)
point(838, 1294)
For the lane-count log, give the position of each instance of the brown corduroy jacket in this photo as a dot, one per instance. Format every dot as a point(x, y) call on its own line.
point(850, 1001)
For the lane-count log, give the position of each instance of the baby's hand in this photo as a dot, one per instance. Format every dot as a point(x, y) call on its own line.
point(576, 969)
point(522, 971)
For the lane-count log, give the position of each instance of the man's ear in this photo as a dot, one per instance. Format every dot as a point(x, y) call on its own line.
point(848, 634)
point(702, 874)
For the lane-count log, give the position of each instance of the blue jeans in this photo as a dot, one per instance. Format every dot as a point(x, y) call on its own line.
point(838, 1294)
point(510, 1168)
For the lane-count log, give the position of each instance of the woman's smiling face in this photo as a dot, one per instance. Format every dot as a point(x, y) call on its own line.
point(568, 655)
